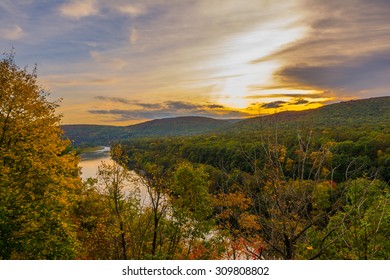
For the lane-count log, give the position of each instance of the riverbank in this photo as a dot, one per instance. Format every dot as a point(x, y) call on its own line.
point(88, 149)
point(95, 153)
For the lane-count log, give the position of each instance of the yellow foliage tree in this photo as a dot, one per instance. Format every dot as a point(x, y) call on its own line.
point(38, 174)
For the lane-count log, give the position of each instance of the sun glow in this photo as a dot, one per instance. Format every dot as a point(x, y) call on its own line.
point(238, 61)
point(236, 89)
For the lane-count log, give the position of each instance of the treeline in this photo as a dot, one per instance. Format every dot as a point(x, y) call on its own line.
point(352, 153)
point(95, 135)
point(297, 193)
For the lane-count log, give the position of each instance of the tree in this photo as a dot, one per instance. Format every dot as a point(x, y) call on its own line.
point(191, 205)
point(361, 228)
point(113, 178)
point(234, 217)
point(287, 196)
point(95, 224)
point(155, 180)
point(39, 175)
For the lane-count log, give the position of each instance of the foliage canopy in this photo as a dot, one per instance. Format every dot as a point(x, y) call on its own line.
point(38, 173)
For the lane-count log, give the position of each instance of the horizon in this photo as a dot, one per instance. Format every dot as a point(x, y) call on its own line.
point(122, 63)
point(224, 119)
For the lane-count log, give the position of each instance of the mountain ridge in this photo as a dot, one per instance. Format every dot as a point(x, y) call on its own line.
point(372, 111)
point(176, 126)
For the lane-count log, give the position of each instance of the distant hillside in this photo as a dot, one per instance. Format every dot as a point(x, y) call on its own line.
point(355, 113)
point(359, 114)
point(94, 134)
point(180, 126)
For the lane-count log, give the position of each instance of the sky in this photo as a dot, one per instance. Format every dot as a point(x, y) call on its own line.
point(122, 62)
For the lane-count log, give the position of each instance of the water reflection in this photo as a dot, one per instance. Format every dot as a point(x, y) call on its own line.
point(89, 169)
point(90, 161)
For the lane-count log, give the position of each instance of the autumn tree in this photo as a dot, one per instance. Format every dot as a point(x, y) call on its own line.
point(241, 227)
point(287, 194)
point(38, 174)
point(96, 224)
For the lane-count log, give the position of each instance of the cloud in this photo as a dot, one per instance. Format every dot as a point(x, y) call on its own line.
point(79, 8)
point(149, 105)
point(133, 35)
point(215, 106)
point(11, 33)
point(127, 115)
point(359, 74)
point(113, 99)
point(345, 49)
point(168, 105)
point(324, 94)
point(298, 101)
point(114, 63)
point(273, 105)
point(198, 52)
point(81, 80)
point(84, 8)
point(166, 110)
point(132, 10)
point(179, 105)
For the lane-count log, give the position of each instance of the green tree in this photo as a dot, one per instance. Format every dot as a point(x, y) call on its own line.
point(156, 181)
point(39, 175)
point(113, 182)
point(191, 205)
point(361, 228)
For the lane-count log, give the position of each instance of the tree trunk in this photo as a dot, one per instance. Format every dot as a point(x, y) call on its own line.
point(289, 248)
point(155, 231)
point(123, 239)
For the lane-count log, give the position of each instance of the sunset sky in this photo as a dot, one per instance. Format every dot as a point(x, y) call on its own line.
point(123, 62)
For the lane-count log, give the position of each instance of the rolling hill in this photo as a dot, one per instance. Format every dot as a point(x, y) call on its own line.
point(354, 113)
point(180, 126)
point(359, 114)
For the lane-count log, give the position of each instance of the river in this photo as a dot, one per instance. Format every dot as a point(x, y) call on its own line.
point(89, 167)
point(90, 161)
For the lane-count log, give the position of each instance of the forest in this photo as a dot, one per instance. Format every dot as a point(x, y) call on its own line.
point(294, 185)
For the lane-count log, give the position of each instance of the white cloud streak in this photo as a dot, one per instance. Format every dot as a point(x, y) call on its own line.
point(131, 10)
point(79, 8)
